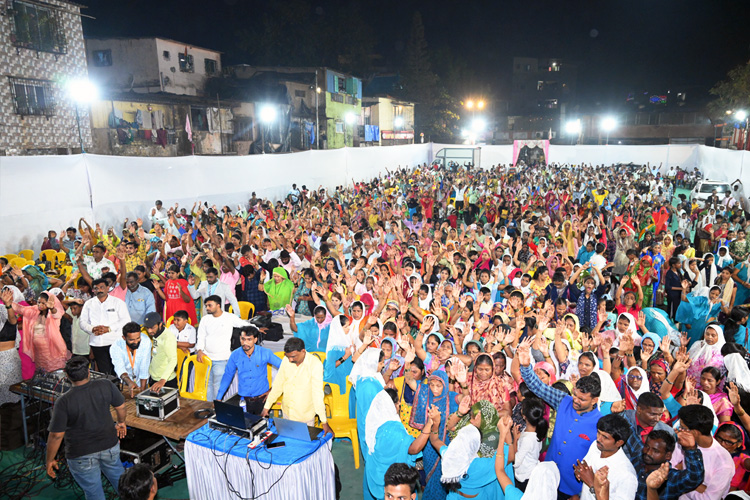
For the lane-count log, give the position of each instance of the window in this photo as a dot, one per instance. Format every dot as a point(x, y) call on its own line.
point(300, 93)
point(166, 55)
point(32, 97)
point(210, 65)
point(37, 27)
point(339, 127)
point(340, 84)
point(337, 98)
point(350, 99)
point(186, 63)
point(540, 85)
point(102, 57)
point(528, 67)
point(198, 119)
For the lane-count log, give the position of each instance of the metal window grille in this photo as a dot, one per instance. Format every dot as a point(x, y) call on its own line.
point(37, 27)
point(32, 97)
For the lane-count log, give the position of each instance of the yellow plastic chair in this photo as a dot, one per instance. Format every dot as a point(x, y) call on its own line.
point(337, 414)
point(247, 309)
point(277, 405)
point(181, 356)
point(171, 319)
point(10, 256)
point(49, 255)
point(30, 263)
point(26, 254)
point(18, 262)
point(200, 384)
point(65, 272)
point(62, 257)
point(321, 356)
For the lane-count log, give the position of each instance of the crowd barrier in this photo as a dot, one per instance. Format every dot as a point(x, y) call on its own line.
point(39, 193)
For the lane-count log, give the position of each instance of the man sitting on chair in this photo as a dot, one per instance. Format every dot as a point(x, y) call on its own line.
point(300, 380)
point(250, 362)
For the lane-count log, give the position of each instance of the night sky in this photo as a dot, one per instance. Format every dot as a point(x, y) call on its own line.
point(619, 46)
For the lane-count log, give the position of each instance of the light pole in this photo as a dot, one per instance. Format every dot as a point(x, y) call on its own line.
point(742, 116)
point(317, 108)
point(573, 127)
point(82, 91)
point(608, 125)
point(267, 116)
point(349, 118)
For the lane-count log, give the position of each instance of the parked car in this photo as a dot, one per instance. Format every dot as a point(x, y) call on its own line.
point(704, 188)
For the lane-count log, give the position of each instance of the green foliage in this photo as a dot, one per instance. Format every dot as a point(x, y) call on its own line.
point(732, 93)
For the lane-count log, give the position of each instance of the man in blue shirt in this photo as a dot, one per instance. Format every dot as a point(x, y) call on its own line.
point(575, 424)
point(131, 357)
point(139, 299)
point(250, 362)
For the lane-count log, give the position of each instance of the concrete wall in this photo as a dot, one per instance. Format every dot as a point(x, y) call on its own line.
point(188, 83)
point(134, 65)
point(58, 133)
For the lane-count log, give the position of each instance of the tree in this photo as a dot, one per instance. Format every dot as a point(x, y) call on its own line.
point(434, 108)
point(732, 93)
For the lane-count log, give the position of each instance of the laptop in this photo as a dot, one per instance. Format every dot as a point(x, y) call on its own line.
point(234, 416)
point(296, 430)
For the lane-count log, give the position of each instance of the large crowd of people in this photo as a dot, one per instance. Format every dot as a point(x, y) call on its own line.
point(542, 332)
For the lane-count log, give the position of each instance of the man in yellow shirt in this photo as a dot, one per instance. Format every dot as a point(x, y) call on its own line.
point(300, 380)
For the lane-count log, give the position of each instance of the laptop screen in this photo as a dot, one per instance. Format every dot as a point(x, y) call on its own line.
point(233, 416)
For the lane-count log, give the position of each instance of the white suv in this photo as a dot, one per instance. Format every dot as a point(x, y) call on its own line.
point(704, 188)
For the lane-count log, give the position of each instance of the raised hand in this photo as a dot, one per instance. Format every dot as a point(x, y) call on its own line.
point(464, 406)
point(7, 296)
point(459, 369)
point(289, 310)
point(657, 477)
point(434, 414)
point(665, 343)
point(601, 482)
point(686, 439)
point(734, 394)
point(618, 406)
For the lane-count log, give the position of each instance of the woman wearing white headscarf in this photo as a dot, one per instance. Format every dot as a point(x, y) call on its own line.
point(339, 349)
point(388, 443)
point(707, 352)
point(465, 474)
point(737, 370)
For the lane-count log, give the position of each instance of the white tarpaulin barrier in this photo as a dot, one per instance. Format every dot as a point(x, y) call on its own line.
point(41, 193)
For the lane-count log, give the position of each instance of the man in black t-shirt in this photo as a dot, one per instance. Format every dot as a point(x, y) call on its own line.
point(83, 417)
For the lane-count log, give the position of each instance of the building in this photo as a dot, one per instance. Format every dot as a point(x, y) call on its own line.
point(41, 52)
point(150, 89)
point(543, 92)
point(331, 98)
point(151, 65)
point(386, 121)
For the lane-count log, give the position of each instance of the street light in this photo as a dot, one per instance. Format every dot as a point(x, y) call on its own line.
point(740, 115)
point(82, 91)
point(267, 116)
point(469, 104)
point(573, 127)
point(608, 125)
point(350, 118)
point(478, 125)
point(480, 105)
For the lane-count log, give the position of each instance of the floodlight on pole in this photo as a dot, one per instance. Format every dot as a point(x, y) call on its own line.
point(398, 122)
point(478, 125)
point(82, 92)
point(573, 127)
point(741, 115)
point(608, 125)
point(267, 115)
point(480, 104)
point(469, 104)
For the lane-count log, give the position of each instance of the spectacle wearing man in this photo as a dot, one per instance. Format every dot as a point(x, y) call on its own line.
point(300, 380)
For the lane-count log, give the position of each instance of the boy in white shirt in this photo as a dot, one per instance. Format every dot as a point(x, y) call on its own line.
point(184, 332)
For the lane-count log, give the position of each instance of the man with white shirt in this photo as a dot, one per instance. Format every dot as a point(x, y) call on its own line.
point(215, 341)
point(96, 264)
point(212, 286)
point(612, 432)
point(158, 213)
point(103, 317)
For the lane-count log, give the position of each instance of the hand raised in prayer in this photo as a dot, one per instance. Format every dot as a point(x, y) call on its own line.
point(427, 325)
point(459, 371)
point(686, 439)
point(656, 479)
point(574, 378)
point(601, 482)
point(7, 296)
point(503, 427)
point(394, 365)
point(289, 310)
point(734, 394)
point(434, 414)
point(664, 345)
point(584, 473)
point(684, 339)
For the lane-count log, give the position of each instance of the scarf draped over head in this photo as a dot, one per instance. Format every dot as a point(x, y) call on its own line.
point(382, 410)
point(543, 482)
point(424, 399)
point(279, 295)
point(701, 350)
point(737, 370)
point(38, 281)
point(366, 366)
point(632, 395)
point(460, 453)
point(488, 427)
point(657, 361)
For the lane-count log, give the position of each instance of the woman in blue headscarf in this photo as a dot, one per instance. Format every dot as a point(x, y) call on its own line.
point(314, 332)
point(388, 442)
point(434, 393)
point(366, 383)
point(390, 348)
